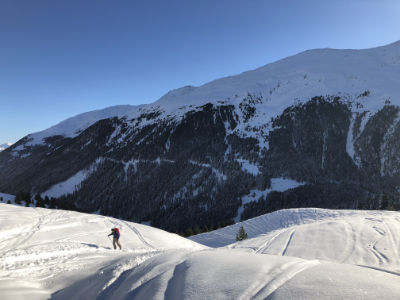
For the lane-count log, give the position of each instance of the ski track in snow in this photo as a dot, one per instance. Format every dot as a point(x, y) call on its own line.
point(261, 290)
point(288, 243)
point(268, 242)
point(141, 238)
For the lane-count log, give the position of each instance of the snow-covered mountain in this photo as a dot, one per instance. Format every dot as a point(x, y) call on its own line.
point(301, 77)
point(320, 128)
point(60, 254)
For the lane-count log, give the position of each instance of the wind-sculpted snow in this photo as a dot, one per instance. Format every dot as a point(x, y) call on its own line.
point(66, 255)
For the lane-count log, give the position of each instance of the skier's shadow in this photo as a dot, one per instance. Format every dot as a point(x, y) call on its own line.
point(90, 245)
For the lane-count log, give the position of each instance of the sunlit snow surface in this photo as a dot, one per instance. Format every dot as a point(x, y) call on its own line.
point(293, 254)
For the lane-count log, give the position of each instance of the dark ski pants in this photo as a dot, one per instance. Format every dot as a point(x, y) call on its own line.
point(115, 243)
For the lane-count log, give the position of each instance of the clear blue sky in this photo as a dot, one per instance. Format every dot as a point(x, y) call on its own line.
point(62, 58)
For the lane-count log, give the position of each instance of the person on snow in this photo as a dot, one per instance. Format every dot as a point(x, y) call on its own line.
point(116, 234)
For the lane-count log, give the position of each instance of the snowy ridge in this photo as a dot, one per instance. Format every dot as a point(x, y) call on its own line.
point(300, 77)
point(249, 167)
point(74, 125)
point(66, 255)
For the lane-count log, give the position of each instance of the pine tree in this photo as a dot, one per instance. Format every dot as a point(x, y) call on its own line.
point(18, 198)
point(384, 201)
point(39, 201)
point(241, 235)
point(189, 231)
point(52, 202)
point(196, 229)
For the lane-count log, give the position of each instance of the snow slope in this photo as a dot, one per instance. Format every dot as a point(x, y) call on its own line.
point(224, 274)
point(74, 125)
point(367, 238)
point(43, 250)
point(66, 255)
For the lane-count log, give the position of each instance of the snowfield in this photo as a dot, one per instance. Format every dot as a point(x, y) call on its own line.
point(290, 254)
point(43, 251)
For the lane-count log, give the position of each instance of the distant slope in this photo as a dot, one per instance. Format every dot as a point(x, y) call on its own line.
point(367, 238)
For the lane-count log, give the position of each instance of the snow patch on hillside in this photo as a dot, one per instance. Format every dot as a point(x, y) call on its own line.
point(73, 183)
point(249, 167)
point(221, 176)
point(277, 184)
point(7, 197)
point(350, 140)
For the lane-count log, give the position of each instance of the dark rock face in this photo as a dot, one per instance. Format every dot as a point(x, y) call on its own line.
point(177, 173)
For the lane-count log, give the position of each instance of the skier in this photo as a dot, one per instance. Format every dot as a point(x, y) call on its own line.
point(115, 233)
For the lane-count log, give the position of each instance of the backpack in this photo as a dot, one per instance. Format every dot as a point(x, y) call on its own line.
point(117, 230)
